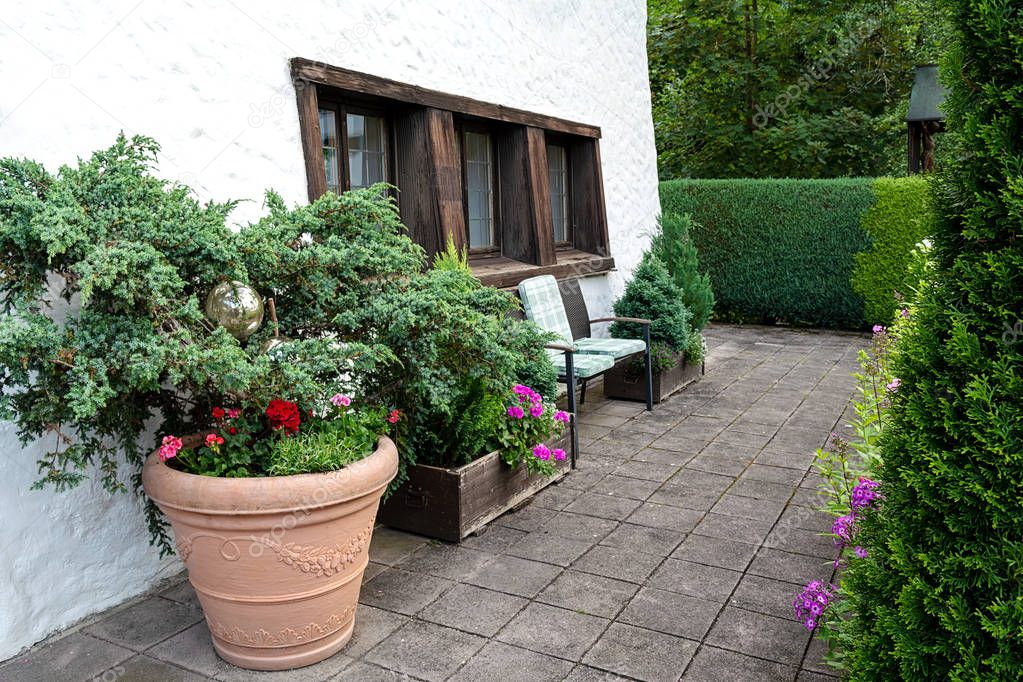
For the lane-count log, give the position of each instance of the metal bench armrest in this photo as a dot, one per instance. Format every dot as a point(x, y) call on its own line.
point(636, 320)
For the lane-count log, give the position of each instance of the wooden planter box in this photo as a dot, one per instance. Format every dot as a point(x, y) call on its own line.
point(450, 504)
point(623, 383)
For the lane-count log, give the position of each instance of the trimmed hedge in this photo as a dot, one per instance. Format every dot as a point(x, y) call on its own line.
point(806, 252)
point(896, 223)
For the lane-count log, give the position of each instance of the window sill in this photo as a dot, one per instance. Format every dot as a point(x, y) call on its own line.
point(503, 273)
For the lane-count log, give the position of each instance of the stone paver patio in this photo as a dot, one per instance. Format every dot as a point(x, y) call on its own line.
point(673, 552)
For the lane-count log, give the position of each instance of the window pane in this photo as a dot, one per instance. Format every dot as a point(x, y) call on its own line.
point(328, 133)
point(367, 145)
point(479, 188)
point(557, 163)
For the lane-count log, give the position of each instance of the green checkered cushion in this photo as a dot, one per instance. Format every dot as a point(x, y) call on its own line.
point(616, 348)
point(585, 366)
point(542, 304)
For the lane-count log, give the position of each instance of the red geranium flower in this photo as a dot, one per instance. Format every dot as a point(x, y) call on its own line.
point(283, 415)
point(218, 413)
point(213, 439)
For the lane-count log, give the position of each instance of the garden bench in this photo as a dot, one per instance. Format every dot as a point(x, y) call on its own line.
point(578, 358)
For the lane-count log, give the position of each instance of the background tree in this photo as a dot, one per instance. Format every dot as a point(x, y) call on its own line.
point(786, 89)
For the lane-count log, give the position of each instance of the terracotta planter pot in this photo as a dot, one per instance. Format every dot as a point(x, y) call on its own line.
point(277, 562)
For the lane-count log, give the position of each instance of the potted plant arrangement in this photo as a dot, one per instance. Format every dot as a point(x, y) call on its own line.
point(667, 288)
point(507, 440)
point(273, 511)
point(526, 452)
point(135, 322)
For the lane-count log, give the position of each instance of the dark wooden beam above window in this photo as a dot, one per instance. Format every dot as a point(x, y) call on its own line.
point(366, 84)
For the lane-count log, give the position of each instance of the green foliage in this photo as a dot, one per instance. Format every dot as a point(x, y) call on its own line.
point(786, 89)
point(329, 448)
point(652, 294)
point(538, 371)
point(940, 596)
point(105, 270)
point(528, 423)
point(899, 220)
point(673, 244)
point(452, 258)
point(778, 249)
point(829, 253)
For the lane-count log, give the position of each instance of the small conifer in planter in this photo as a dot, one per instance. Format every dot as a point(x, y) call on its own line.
point(652, 294)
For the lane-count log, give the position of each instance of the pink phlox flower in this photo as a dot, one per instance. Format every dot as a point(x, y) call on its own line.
point(894, 384)
point(842, 528)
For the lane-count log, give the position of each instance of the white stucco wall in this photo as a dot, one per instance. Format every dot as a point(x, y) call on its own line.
point(210, 82)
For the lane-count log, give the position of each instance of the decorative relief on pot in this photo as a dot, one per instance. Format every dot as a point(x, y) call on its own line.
point(321, 561)
point(286, 636)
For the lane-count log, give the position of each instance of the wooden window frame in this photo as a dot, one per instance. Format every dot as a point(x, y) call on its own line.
point(463, 126)
point(341, 110)
point(423, 129)
point(563, 141)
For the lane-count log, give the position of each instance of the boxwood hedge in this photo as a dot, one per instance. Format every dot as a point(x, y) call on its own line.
point(825, 253)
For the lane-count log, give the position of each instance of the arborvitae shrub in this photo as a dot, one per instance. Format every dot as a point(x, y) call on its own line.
point(673, 244)
point(652, 294)
point(941, 594)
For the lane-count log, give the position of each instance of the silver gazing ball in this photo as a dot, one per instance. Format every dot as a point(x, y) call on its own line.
point(273, 346)
point(237, 307)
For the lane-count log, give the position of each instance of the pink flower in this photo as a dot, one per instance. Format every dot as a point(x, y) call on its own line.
point(894, 385)
point(561, 416)
point(213, 439)
point(878, 329)
point(559, 454)
point(516, 412)
point(860, 552)
point(541, 451)
point(233, 413)
point(536, 410)
point(340, 400)
point(169, 447)
point(904, 313)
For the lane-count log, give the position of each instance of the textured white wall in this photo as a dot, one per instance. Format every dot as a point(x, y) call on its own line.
point(210, 82)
